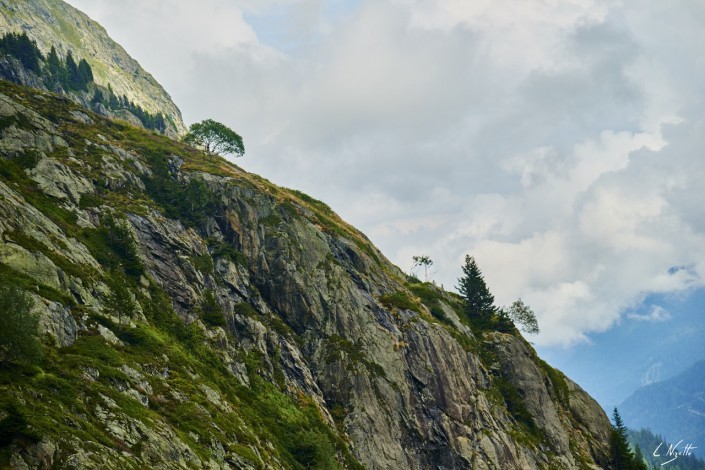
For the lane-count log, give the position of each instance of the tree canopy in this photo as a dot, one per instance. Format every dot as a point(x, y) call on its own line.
point(424, 261)
point(522, 315)
point(215, 138)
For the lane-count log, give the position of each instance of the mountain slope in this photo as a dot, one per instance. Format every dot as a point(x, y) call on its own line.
point(53, 22)
point(674, 408)
point(196, 315)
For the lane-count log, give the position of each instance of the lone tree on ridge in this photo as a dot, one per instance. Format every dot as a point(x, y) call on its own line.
point(215, 138)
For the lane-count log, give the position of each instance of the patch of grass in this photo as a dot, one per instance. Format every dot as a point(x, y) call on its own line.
point(28, 159)
point(295, 424)
point(225, 250)
point(558, 382)
point(89, 200)
point(398, 300)
point(339, 348)
point(15, 425)
point(19, 120)
point(203, 263)
point(271, 221)
point(211, 312)
point(246, 310)
point(25, 282)
point(517, 408)
point(35, 246)
point(140, 338)
point(94, 346)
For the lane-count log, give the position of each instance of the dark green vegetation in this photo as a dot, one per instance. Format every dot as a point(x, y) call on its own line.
point(650, 444)
point(68, 76)
point(18, 326)
point(480, 309)
point(24, 49)
point(113, 102)
point(215, 138)
point(622, 456)
point(482, 313)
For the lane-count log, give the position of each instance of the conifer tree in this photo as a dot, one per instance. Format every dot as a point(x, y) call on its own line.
point(98, 97)
point(54, 69)
point(85, 74)
point(72, 80)
point(479, 302)
point(622, 456)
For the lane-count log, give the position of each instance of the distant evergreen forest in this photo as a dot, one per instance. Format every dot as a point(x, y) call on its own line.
point(67, 75)
point(648, 442)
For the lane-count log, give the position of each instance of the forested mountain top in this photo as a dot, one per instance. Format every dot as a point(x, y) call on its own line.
point(54, 23)
point(25, 64)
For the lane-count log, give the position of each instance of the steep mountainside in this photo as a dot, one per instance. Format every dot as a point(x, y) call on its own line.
point(674, 408)
point(195, 315)
point(53, 22)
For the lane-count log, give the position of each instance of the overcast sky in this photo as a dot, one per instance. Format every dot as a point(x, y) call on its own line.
point(560, 142)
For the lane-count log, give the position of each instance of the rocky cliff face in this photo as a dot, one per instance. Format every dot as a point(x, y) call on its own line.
point(54, 22)
point(195, 315)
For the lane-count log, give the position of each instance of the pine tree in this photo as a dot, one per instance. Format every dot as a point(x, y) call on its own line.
point(73, 81)
point(112, 99)
point(85, 74)
point(639, 460)
point(120, 300)
point(160, 123)
point(479, 302)
point(621, 455)
point(28, 53)
point(98, 97)
point(54, 69)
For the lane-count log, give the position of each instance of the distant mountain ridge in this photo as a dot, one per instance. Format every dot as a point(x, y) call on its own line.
point(674, 408)
point(55, 23)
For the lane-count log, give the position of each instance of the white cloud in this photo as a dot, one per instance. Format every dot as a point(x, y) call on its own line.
point(560, 142)
point(655, 314)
